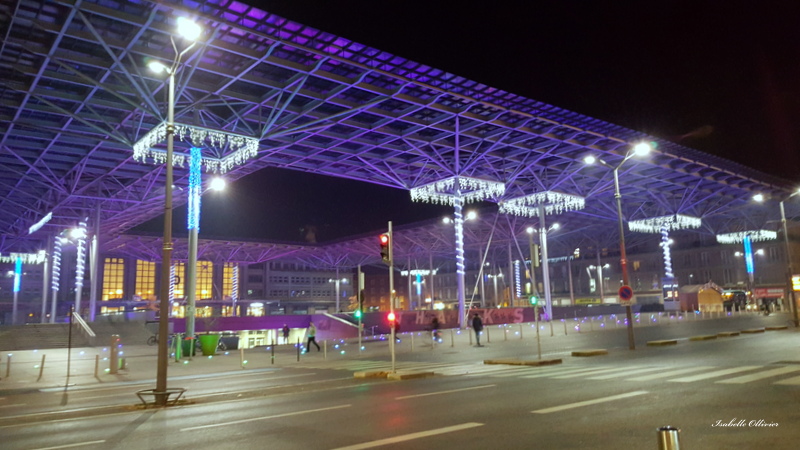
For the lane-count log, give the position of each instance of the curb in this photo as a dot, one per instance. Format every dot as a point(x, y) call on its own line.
point(519, 362)
point(595, 352)
point(728, 333)
point(703, 338)
point(662, 343)
point(778, 327)
point(409, 375)
point(753, 330)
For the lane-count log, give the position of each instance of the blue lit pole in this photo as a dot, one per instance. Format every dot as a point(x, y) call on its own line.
point(55, 277)
point(193, 225)
point(789, 271)
point(17, 283)
point(747, 242)
point(80, 265)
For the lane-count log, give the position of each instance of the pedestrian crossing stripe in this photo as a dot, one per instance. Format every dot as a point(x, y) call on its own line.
point(560, 372)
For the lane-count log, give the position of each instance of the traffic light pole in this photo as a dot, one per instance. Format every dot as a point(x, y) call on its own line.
point(391, 295)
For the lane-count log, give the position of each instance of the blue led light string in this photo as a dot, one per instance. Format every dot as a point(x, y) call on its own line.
point(195, 185)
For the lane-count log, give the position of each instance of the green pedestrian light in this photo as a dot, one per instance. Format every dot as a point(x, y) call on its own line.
point(534, 300)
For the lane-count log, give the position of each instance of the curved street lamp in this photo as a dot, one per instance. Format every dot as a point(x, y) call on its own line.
point(640, 149)
point(189, 31)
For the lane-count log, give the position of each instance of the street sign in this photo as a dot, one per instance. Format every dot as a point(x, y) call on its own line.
point(625, 294)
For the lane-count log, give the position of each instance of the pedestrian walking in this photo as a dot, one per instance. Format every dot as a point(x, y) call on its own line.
point(285, 331)
point(312, 336)
point(477, 325)
point(435, 329)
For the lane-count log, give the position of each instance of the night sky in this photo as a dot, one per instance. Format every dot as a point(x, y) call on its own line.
point(720, 77)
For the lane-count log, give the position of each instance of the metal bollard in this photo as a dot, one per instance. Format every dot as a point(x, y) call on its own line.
point(470, 336)
point(669, 438)
point(242, 361)
point(298, 349)
point(412, 341)
point(520, 331)
point(113, 353)
point(505, 332)
point(452, 339)
point(272, 352)
point(488, 338)
point(8, 366)
point(565, 327)
point(96, 366)
point(325, 349)
point(41, 369)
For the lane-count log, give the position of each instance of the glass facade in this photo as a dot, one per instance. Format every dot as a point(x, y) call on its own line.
point(145, 280)
point(113, 279)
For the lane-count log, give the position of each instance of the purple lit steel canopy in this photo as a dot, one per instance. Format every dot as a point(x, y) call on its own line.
point(76, 97)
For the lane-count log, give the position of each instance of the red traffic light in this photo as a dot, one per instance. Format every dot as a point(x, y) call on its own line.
point(385, 244)
point(384, 239)
point(391, 317)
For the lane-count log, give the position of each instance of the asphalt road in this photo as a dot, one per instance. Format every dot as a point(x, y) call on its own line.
point(750, 383)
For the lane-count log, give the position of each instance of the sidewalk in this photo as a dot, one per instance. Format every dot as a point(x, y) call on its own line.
point(91, 366)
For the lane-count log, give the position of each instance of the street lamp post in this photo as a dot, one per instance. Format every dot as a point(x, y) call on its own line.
point(534, 260)
point(188, 30)
point(336, 284)
point(789, 269)
point(638, 150)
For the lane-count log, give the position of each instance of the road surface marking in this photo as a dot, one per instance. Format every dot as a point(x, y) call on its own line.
point(625, 375)
point(79, 444)
point(594, 372)
point(445, 392)
point(11, 406)
point(760, 375)
point(789, 381)
point(254, 419)
point(412, 436)
point(669, 373)
point(588, 402)
point(561, 372)
point(718, 373)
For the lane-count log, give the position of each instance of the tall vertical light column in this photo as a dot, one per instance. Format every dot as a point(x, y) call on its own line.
point(193, 226)
point(458, 204)
point(548, 301)
point(94, 271)
point(55, 277)
point(45, 277)
point(235, 287)
point(17, 283)
point(80, 265)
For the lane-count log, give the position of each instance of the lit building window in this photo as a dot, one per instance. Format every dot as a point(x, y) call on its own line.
point(205, 277)
point(113, 273)
point(145, 280)
point(227, 280)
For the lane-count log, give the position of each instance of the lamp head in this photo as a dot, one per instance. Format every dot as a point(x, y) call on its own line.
point(642, 148)
point(530, 230)
point(589, 159)
point(217, 184)
point(758, 198)
point(188, 29)
point(157, 66)
point(472, 215)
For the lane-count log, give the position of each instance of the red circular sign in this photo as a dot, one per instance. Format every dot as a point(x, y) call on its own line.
point(625, 293)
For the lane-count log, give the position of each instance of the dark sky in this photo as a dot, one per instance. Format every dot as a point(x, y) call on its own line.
point(722, 77)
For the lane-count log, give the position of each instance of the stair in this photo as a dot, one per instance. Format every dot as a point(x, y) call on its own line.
point(40, 336)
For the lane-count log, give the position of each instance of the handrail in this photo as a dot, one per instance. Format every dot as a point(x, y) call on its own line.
point(340, 320)
point(77, 317)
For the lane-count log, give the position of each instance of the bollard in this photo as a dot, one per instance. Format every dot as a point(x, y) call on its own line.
point(41, 369)
point(520, 331)
point(412, 341)
point(470, 336)
point(591, 323)
point(272, 352)
point(96, 366)
point(669, 438)
point(565, 327)
point(114, 354)
point(298, 349)
point(452, 339)
point(488, 338)
point(241, 357)
point(8, 366)
point(325, 349)
point(122, 364)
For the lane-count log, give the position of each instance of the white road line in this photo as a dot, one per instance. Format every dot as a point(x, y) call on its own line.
point(718, 373)
point(79, 444)
point(669, 373)
point(624, 376)
point(760, 375)
point(593, 372)
point(794, 381)
point(445, 392)
point(515, 372)
point(412, 436)
point(11, 406)
point(254, 419)
point(564, 372)
point(588, 402)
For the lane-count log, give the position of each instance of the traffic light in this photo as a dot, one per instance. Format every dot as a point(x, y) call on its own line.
point(360, 307)
point(385, 244)
point(534, 300)
point(357, 314)
point(391, 318)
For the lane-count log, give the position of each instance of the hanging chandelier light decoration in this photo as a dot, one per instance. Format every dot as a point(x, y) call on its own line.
point(739, 236)
point(469, 189)
point(240, 148)
point(553, 202)
point(26, 258)
point(671, 223)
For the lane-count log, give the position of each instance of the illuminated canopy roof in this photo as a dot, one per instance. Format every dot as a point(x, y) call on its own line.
point(76, 96)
